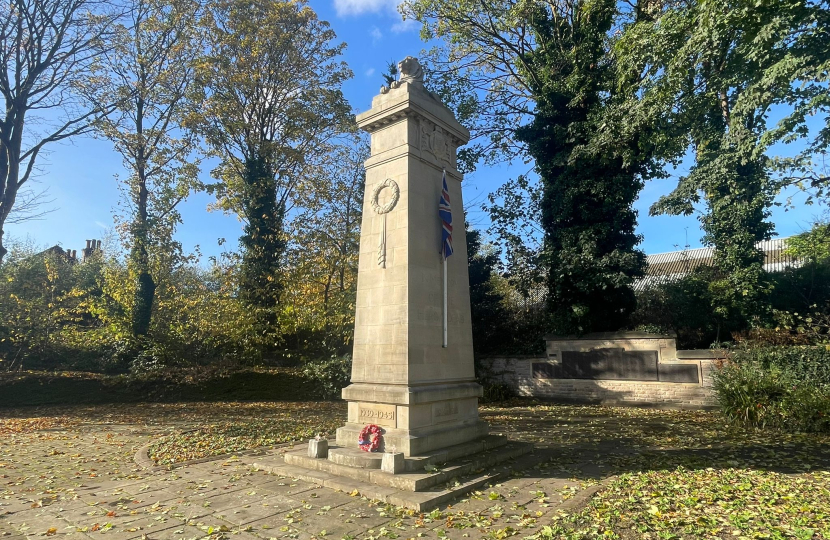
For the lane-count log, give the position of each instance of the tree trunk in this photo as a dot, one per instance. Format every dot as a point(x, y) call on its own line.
point(145, 290)
point(3, 249)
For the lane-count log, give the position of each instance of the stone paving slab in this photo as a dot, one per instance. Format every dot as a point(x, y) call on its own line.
point(185, 502)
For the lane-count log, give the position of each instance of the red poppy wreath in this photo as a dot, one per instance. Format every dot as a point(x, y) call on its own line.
point(369, 438)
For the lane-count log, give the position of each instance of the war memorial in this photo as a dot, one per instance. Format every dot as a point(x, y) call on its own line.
point(413, 380)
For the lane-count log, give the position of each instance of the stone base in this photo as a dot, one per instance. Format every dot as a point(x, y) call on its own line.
point(415, 419)
point(356, 458)
point(416, 442)
point(427, 481)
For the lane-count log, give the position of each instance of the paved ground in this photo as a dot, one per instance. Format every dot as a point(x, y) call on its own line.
point(70, 473)
point(65, 479)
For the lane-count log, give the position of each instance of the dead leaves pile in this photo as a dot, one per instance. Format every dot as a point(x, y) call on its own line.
point(679, 474)
point(9, 426)
point(669, 474)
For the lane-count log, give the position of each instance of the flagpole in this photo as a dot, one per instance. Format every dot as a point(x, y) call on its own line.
point(445, 302)
point(446, 240)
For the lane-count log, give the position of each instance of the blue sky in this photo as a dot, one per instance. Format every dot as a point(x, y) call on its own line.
point(80, 175)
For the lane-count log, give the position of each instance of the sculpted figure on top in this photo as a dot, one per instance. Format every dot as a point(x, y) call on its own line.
point(409, 71)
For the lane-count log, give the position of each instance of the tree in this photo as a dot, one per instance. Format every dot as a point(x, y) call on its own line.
point(715, 70)
point(541, 79)
point(489, 317)
point(47, 47)
point(322, 254)
point(149, 74)
point(273, 102)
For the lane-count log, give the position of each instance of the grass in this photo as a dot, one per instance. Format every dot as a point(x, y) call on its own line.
point(714, 502)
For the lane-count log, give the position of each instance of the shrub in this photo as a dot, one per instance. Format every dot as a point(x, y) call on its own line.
point(329, 375)
point(777, 387)
point(685, 307)
point(496, 391)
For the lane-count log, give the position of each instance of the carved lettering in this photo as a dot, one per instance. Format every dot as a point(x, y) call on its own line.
point(376, 413)
point(381, 415)
point(440, 410)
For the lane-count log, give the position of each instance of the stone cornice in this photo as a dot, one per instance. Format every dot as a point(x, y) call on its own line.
point(410, 102)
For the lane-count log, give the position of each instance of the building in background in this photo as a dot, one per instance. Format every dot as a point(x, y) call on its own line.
point(668, 267)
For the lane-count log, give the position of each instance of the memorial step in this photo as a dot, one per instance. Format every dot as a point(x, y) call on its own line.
point(455, 484)
point(414, 480)
point(354, 457)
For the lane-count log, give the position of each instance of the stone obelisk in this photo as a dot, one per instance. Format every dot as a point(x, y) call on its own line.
point(422, 394)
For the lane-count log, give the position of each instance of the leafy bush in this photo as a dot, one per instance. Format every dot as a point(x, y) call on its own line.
point(684, 307)
point(329, 375)
point(56, 314)
point(777, 387)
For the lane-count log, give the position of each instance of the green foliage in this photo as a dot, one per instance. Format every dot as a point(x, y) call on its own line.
point(587, 191)
point(149, 76)
point(268, 62)
point(738, 196)
point(685, 307)
point(320, 273)
point(713, 71)
point(391, 73)
point(486, 303)
point(262, 241)
point(777, 387)
point(799, 314)
point(813, 245)
point(801, 300)
point(540, 79)
point(329, 375)
point(55, 314)
point(507, 316)
point(45, 303)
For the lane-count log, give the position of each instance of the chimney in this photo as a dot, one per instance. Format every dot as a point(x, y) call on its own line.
point(91, 247)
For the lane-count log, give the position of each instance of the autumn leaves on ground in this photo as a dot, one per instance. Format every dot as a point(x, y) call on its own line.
point(664, 474)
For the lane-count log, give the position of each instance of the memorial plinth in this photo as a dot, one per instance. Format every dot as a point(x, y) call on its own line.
point(424, 395)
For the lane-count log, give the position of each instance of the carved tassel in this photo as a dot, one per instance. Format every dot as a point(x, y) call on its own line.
point(382, 244)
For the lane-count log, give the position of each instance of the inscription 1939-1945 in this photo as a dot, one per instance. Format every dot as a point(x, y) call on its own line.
point(383, 415)
point(380, 415)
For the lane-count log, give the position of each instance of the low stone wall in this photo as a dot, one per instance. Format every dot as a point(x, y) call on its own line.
point(518, 373)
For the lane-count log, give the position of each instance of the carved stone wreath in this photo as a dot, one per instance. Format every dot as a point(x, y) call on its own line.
point(396, 194)
point(383, 210)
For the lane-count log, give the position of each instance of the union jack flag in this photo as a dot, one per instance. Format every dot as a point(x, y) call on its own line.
point(446, 219)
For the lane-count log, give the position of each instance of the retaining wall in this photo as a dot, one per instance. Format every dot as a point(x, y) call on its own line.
point(518, 373)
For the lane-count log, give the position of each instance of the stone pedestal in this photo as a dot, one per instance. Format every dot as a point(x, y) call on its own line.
point(393, 463)
point(422, 394)
point(318, 448)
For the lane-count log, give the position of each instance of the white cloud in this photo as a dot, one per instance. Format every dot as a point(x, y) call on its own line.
point(370, 72)
point(408, 25)
point(345, 8)
point(102, 225)
point(376, 34)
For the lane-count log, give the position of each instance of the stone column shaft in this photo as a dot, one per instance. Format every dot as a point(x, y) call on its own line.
point(425, 396)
